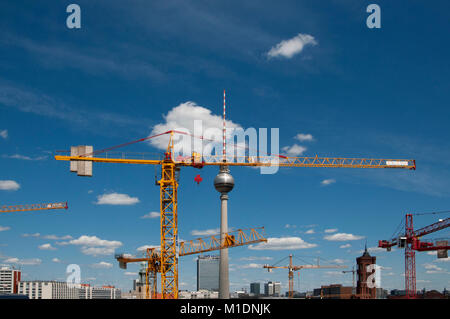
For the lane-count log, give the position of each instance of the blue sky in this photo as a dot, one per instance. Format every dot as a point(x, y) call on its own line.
point(359, 92)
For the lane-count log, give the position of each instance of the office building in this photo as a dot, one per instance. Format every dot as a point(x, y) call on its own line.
point(208, 273)
point(9, 280)
point(48, 290)
point(104, 292)
point(255, 288)
point(272, 289)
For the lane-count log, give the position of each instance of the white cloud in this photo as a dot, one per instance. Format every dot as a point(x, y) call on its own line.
point(327, 182)
point(206, 232)
point(4, 228)
point(31, 235)
point(29, 262)
point(181, 118)
point(289, 48)
point(151, 215)
point(94, 246)
point(310, 231)
point(46, 247)
point(252, 258)
point(294, 150)
point(342, 237)
point(338, 261)
point(128, 273)
point(345, 246)
point(251, 265)
point(331, 230)
point(9, 185)
point(283, 243)
point(290, 226)
point(116, 199)
point(102, 264)
point(145, 247)
point(92, 241)
point(24, 157)
point(54, 237)
point(304, 137)
point(4, 134)
point(97, 251)
point(56, 260)
point(433, 269)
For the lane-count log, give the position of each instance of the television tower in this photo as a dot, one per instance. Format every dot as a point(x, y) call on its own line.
point(224, 183)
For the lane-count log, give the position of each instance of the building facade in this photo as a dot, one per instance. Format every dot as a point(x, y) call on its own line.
point(104, 292)
point(363, 290)
point(9, 280)
point(47, 290)
point(61, 290)
point(272, 289)
point(255, 288)
point(208, 273)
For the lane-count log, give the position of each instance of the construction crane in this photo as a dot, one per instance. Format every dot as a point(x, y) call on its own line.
point(411, 242)
point(82, 157)
point(31, 207)
point(236, 238)
point(353, 271)
point(291, 268)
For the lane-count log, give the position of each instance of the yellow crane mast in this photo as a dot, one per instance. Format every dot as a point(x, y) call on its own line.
point(82, 157)
point(236, 238)
point(291, 268)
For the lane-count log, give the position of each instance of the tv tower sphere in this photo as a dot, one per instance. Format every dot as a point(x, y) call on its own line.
point(224, 181)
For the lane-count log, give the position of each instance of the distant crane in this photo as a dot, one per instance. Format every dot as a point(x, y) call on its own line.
point(31, 207)
point(353, 271)
point(291, 268)
point(236, 238)
point(410, 241)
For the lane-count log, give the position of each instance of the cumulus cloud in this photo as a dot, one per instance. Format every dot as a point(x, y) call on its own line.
point(27, 262)
point(251, 265)
point(252, 258)
point(9, 185)
point(56, 260)
point(327, 182)
point(331, 230)
point(145, 247)
point(151, 215)
point(310, 231)
point(4, 134)
point(94, 246)
point(92, 241)
point(182, 118)
point(288, 48)
point(116, 199)
point(294, 150)
point(206, 232)
point(304, 137)
point(46, 247)
point(4, 228)
point(283, 243)
point(102, 264)
point(345, 246)
point(342, 237)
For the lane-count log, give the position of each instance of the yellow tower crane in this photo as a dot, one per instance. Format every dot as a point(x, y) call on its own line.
point(236, 238)
point(31, 207)
point(291, 268)
point(82, 157)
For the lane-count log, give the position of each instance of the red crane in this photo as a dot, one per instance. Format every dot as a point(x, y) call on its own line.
point(411, 242)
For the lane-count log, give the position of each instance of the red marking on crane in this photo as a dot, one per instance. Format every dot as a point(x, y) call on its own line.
point(198, 179)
